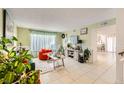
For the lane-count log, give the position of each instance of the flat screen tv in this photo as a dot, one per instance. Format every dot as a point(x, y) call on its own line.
point(79, 41)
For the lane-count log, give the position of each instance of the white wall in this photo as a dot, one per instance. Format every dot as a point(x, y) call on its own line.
point(119, 44)
point(15, 33)
point(93, 41)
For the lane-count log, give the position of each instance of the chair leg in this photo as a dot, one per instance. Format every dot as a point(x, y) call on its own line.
point(63, 62)
point(54, 65)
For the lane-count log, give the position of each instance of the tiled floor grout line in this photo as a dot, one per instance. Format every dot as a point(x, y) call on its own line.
point(89, 71)
point(85, 72)
point(71, 73)
point(102, 73)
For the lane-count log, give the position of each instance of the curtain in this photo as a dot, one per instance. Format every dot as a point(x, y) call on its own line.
point(111, 44)
point(40, 39)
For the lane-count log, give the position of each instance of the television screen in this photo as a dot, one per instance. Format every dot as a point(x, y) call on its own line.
point(79, 41)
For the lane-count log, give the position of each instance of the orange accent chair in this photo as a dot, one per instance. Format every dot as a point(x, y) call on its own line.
point(43, 54)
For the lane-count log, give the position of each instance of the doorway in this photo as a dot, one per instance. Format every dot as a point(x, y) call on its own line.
point(106, 39)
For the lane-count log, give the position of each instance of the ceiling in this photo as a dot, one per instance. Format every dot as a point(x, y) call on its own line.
point(59, 19)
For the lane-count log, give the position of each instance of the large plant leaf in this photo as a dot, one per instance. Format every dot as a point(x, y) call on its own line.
point(11, 67)
point(12, 54)
point(2, 74)
point(9, 78)
point(25, 52)
point(14, 38)
point(20, 68)
point(28, 66)
point(6, 49)
point(1, 47)
point(28, 56)
point(23, 81)
point(6, 41)
point(31, 80)
point(16, 63)
point(2, 81)
point(33, 77)
point(3, 66)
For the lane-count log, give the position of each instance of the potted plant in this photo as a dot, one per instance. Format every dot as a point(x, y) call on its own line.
point(69, 45)
point(13, 69)
point(87, 54)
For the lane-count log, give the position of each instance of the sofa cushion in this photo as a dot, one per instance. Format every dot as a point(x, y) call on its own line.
point(43, 54)
point(43, 50)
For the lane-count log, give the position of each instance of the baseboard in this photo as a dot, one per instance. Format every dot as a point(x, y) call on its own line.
point(119, 82)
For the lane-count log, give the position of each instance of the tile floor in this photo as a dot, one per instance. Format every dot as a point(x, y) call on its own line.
point(100, 72)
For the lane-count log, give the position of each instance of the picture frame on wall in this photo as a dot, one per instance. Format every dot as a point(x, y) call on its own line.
point(8, 25)
point(84, 31)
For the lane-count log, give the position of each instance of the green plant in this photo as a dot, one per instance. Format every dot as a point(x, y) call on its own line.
point(87, 54)
point(69, 45)
point(13, 70)
point(61, 50)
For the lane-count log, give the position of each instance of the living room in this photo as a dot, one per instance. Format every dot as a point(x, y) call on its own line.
point(63, 43)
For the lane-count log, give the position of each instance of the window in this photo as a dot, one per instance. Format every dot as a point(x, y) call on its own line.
point(41, 40)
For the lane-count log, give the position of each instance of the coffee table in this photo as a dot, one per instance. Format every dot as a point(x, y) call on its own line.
point(55, 59)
